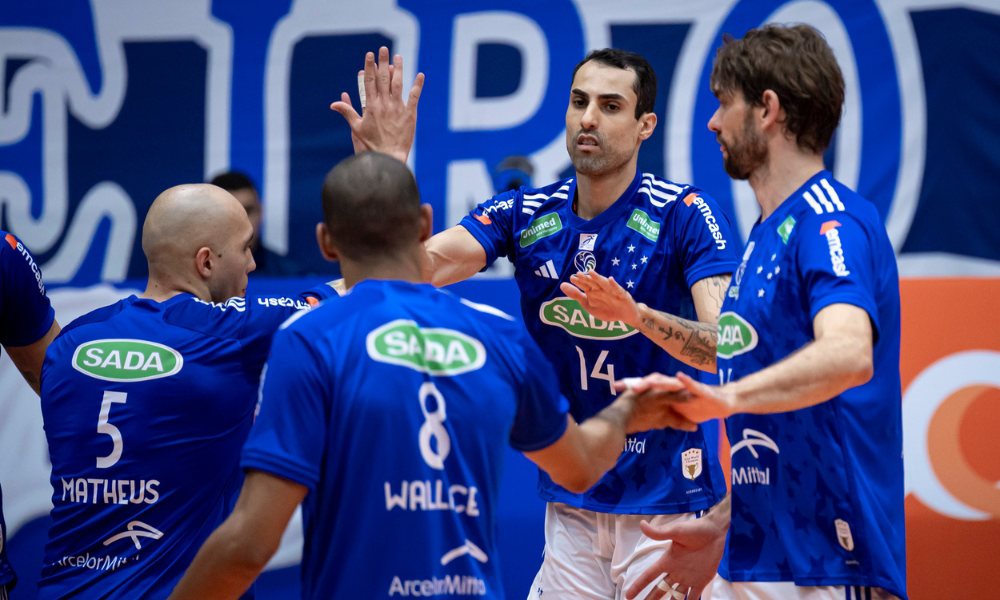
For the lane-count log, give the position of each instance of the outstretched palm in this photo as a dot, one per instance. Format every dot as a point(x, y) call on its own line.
point(688, 564)
point(602, 297)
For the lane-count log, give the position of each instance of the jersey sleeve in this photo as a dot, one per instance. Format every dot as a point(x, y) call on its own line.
point(289, 433)
point(541, 409)
point(26, 314)
point(835, 265)
point(702, 237)
point(324, 291)
point(492, 224)
point(263, 317)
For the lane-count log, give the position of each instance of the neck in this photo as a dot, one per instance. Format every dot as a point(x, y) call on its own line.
point(596, 193)
point(161, 289)
point(397, 268)
point(783, 173)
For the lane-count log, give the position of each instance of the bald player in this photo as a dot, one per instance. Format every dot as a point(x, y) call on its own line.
point(147, 403)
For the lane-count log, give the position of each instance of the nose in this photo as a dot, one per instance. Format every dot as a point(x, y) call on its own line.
point(253, 264)
point(715, 121)
point(590, 117)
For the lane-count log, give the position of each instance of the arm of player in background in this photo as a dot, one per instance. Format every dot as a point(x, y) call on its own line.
point(234, 555)
point(451, 256)
point(585, 452)
point(692, 558)
point(691, 342)
point(28, 359)
point(840, 358)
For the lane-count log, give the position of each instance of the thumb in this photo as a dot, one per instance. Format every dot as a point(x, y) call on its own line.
point(668, 531)
point(346, 110)
point(693, 385)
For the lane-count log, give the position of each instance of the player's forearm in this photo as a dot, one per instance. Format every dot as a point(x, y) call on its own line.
point(224, 568)
point(721, 513)
point(691, 342)
point(603, 438)
point(817, 372)
point(451, 256)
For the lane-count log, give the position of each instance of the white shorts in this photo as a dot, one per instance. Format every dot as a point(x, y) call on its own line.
point(593, 555)
point(721, 589)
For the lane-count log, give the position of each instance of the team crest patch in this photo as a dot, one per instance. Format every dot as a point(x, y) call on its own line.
point(844, 534)
point(584, 261)
point(691, 463)
point(587, 241)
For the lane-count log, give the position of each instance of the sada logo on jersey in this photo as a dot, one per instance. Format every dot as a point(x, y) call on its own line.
point(429, 350)
point(126, 360)
point(736, 335)
point(568, 314)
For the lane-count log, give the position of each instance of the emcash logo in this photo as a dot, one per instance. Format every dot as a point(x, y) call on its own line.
point(640, 221)
point(829, 230)
point(541, 227)
point(568, 314)
point(429, 350)
point(736, 335)
point(706, 213)
point(126, 360)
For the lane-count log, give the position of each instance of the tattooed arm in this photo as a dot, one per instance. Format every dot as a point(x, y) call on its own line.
point(691, 342)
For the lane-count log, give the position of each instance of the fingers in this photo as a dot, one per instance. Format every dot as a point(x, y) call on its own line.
point(383, 71)
point(573, 292)
point(371, 88)
point(676, 420)
point(646, 578)
point(663, 532)
point(345, 108)
point(418, 86)
point(396, 77)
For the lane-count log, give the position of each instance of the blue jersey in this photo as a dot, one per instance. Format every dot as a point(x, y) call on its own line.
point(656, 240)
point(817, 494)
point(25, 318)
point(146, 407)
point(394, 405)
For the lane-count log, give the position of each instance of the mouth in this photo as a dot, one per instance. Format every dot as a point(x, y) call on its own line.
point(587, 142)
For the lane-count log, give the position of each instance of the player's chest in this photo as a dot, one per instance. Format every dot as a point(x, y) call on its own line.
point(634, 251)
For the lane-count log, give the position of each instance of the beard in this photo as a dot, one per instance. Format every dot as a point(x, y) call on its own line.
point(607, 161)
point(746, 153)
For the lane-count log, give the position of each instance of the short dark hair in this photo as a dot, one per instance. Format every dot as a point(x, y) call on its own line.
point(371, 206)
point(645, 78)
point(795, 63)
point(232, 181)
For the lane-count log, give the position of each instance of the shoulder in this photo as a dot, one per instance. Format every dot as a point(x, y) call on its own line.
point(828, 204)
point(662, 194)
point(16, 257)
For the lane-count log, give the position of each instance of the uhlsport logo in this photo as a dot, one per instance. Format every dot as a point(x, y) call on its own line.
point(829, 230)
point(435, 351)
point(126, 360)
point(541, 227)
point(736, 335)
point(568, 314)
point(640, 221)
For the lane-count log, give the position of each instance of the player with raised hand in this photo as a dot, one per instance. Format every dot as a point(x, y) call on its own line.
point(667, 243)
point(388, 411)
point(27, 327)
point(148, 402)
point(808, 354)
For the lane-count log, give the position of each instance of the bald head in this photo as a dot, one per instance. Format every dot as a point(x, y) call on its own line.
point(185, 220)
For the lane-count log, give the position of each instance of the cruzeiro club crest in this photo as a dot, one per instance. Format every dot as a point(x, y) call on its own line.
point(691, 463)
point(585, 261)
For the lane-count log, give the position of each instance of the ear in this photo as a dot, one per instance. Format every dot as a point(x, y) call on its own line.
point(647, 123)
point(203, 262)
point(426, 222)
point(772, 112)
point(325, 243)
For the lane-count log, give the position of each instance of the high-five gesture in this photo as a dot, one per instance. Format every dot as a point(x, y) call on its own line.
point(388, 123)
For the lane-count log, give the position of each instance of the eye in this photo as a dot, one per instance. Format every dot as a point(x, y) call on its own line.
point(612, 107)
point(579, 103)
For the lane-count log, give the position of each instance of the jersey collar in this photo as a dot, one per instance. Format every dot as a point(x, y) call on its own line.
point(612, 213)
point(795, 200)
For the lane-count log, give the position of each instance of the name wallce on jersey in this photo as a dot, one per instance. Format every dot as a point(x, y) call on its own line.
point(449, 585)
point(423, 495)
point(706, 213)
point(18, 247)
point(829, 231)
point(110, 491)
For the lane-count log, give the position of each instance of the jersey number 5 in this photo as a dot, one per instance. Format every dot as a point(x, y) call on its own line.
point(103, 426)
point(608, 375)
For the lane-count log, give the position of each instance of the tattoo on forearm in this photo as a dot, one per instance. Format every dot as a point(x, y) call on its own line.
point(700, 347)
point(717, 287)
point(670, 333)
